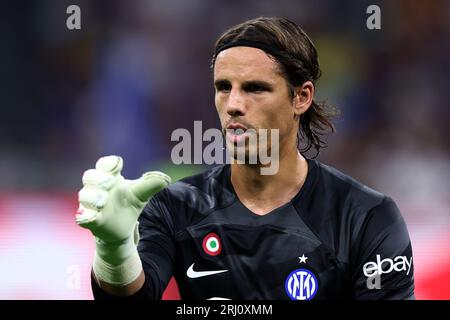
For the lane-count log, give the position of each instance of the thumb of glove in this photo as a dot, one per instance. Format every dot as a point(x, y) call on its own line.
point(149, 184)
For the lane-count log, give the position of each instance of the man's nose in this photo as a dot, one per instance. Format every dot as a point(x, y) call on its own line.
point(236, 103)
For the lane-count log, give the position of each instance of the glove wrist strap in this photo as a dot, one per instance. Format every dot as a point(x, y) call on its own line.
point(118, 263)
point(119, 275)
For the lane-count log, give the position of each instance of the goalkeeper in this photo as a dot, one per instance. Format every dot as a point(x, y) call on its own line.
point(306, 232)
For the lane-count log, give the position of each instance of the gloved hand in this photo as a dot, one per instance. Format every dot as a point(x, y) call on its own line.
point(109, 207)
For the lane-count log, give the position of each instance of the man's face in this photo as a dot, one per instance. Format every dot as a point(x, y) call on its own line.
point(252, 94)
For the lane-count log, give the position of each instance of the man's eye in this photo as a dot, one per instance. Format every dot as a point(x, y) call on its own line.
point(223, 87)
point(255, 88)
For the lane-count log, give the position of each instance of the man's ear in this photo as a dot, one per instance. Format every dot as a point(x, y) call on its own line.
point(303, 97)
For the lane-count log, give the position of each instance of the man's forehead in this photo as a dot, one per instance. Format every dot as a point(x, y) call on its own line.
point(244, 61)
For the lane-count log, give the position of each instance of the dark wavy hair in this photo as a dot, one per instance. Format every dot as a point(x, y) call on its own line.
point(297, 58)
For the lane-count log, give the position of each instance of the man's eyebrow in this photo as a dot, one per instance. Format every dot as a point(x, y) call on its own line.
point(260, 83)
point(221, 82)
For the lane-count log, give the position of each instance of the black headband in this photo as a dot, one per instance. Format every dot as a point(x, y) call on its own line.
point(249, 43)
point(266, 48)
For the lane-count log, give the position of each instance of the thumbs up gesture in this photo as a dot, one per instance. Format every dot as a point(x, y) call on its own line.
point(109, 204)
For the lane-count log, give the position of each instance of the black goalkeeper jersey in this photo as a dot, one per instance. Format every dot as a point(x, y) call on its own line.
point(336, 239)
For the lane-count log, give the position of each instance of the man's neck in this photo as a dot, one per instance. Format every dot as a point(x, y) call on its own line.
point(264, 193)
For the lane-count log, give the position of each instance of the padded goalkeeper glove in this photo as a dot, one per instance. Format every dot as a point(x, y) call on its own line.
point(109, 207)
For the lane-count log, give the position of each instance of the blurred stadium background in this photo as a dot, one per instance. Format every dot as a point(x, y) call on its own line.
point(137, 70)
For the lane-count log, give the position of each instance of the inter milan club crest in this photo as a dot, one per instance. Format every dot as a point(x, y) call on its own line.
point(301, 284)
point(212, 245)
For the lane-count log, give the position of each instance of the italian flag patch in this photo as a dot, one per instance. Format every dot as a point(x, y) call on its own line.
point(212, 245)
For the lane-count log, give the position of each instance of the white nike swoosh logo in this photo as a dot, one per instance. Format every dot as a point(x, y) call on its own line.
point(198, 274)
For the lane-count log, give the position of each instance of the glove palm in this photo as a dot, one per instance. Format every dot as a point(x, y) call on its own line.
point(110, 206)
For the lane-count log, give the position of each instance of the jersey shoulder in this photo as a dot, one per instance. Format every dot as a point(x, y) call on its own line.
point(358, 197)
point(203, 190)
point(348, 188)
point(354, 197)
point(190, 199)
point(339, 208)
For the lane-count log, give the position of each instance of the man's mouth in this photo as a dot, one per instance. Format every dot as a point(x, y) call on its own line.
point(236, 132)
point(236, 126)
